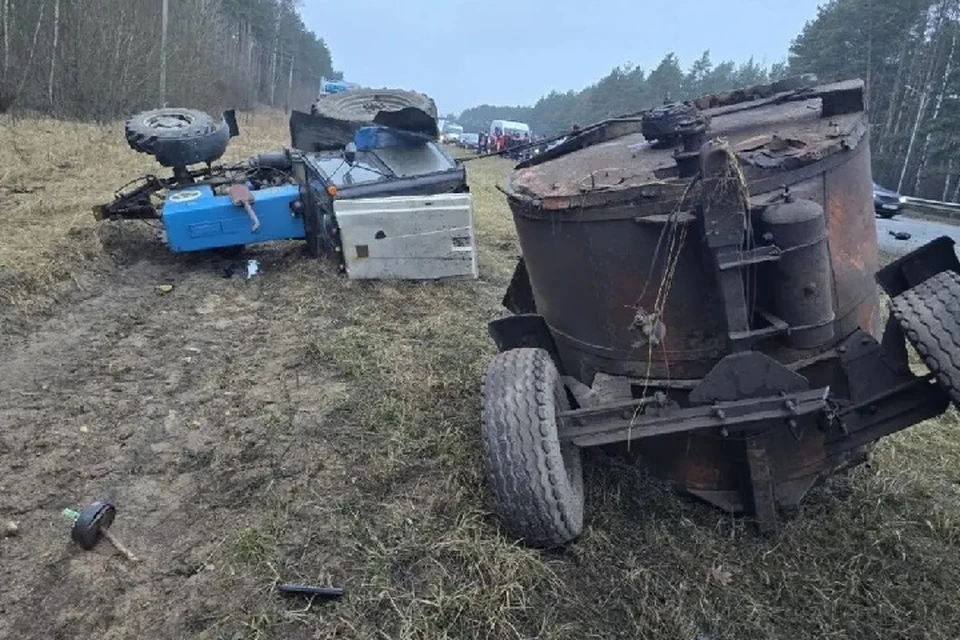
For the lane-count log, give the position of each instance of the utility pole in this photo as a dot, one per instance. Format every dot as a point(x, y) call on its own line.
point(163, 52)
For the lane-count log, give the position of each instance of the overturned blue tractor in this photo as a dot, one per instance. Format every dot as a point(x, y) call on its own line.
point(364, 181)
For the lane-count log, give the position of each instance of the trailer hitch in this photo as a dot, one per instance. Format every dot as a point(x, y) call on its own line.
point(133, 200)
point(132, 203)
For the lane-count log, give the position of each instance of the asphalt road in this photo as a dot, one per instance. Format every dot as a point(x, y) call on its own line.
point(921, 232)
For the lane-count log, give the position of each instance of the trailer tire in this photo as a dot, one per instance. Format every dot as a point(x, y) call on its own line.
point(177, 137)
point(929, 314)
point(537, 484)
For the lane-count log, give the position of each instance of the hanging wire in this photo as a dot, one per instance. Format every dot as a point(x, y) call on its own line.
point(674, 236)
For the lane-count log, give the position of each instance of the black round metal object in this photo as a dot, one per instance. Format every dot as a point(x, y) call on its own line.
point(279, 160)
point(94, 517)
point(668, 123)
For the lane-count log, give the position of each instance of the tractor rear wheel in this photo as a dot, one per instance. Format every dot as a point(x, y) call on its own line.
point(396, 108)
point(929, 314)
point(537, 483)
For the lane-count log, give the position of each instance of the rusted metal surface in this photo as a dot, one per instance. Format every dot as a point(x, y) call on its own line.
point(769, 140)
point(766, 433)
point(590, 223)
point(591, 323)
point(653, 268)
point(803, 296)
point(852, 238)
point(616, 423)
point(725, 211)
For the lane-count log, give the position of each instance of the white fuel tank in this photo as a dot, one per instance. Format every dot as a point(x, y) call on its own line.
point(408, 237)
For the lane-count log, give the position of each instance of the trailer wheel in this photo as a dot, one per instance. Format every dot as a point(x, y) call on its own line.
point(929, 314)
point(177, 137)
point(537, 484)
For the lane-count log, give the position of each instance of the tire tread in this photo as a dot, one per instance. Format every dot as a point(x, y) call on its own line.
point(929, 315)
point(533, 493)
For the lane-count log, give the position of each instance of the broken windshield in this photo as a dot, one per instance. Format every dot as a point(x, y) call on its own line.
point(417, 160)
point(342, 174)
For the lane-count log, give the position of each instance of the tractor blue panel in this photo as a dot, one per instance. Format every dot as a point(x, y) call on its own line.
point(195, 219)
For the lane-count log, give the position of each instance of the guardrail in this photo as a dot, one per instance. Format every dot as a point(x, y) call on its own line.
point(949, 210)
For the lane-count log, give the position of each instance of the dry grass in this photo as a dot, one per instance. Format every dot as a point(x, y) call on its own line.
point(52, 173)
point(870, 555)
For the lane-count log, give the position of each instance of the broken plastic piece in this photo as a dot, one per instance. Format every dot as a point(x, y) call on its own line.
point(310, 590)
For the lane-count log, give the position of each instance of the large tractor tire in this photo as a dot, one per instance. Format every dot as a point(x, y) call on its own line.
point(537, 484)
point(178, 137)
point(929, 314)
point(397, 108)
point(795, 83)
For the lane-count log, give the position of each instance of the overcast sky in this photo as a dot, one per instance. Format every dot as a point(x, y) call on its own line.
point(469, 52)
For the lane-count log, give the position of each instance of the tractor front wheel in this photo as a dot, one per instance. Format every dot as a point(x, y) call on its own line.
point(537, 483)
point(177, 137)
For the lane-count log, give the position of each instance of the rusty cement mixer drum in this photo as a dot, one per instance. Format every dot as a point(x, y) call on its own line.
point(702, 278)
point(590, 221)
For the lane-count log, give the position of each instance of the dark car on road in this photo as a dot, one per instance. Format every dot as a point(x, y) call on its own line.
point(469, 141)
point(886, 203)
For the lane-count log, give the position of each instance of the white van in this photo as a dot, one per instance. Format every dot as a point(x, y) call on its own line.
point(451, 133)
point(508, 127)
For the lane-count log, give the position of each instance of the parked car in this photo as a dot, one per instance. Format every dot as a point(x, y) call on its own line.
point(886, 203)
point(470, 140)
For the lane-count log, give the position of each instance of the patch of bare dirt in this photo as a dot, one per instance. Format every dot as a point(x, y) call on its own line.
point(194, 411)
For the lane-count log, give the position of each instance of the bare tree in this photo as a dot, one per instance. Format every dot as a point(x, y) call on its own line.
point(206, 54)
point(933, 36)
point(286, 105)
point(6, 37)
point(273, 66)
point(163, 51)
point(33, 50)
point(53, 51)
point(936, 111)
